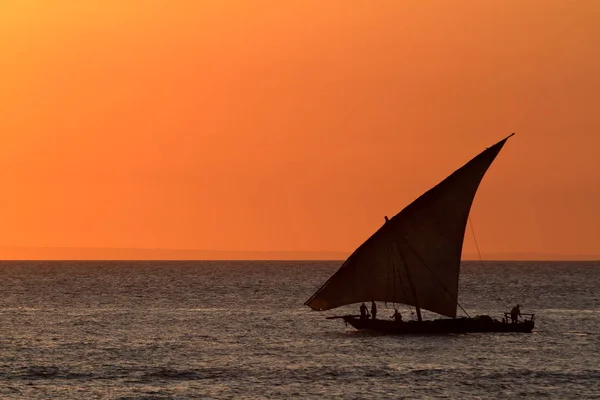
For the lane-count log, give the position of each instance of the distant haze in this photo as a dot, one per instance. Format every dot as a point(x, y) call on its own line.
point(58, 253)
point(272, 127)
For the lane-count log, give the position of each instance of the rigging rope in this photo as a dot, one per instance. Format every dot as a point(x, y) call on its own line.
point(474, 238)
point(432, 274)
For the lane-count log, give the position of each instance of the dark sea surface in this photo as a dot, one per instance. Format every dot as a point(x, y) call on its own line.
point(194, 330)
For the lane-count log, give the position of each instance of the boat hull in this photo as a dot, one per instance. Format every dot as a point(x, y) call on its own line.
point(439, 326)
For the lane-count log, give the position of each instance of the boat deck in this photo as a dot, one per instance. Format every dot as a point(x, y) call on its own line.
point(482, 323)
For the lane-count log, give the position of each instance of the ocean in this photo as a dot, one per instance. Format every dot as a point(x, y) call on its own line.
point(231, 329)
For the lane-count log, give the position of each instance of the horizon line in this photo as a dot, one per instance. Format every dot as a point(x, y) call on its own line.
point(91, 253)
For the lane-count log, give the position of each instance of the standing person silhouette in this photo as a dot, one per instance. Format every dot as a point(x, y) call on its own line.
point(373, 309)
point(363, 311)
point(515, 313)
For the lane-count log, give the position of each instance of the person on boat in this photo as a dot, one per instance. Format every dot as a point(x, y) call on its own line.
point(515, 313)
point(373, 309)
point(397, 317)
point(363, 311)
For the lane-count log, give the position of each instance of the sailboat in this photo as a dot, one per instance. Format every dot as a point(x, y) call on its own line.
point(414, 259)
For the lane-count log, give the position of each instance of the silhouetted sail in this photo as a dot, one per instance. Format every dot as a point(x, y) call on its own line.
point(414, 258)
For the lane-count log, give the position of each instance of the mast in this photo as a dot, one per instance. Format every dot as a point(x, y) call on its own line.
point(412, 287)
point(415, 298)
point(419, 314)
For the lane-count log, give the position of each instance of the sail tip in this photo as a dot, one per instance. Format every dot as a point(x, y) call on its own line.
point(316, 304)
point(308, 303)
point(508, 137)
point(505, 139)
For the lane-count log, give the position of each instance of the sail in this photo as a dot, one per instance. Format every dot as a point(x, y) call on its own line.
point(414, 258)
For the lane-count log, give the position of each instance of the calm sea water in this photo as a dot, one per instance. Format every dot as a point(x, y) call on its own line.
point(188, 330)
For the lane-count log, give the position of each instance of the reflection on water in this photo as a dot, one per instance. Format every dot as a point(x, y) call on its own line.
point(168, 330)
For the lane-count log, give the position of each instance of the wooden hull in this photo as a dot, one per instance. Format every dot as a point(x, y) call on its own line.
point(439, 326)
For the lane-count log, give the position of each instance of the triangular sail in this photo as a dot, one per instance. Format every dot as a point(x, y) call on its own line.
point(414, 258)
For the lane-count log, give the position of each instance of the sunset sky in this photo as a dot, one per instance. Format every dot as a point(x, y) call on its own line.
point(294, 125)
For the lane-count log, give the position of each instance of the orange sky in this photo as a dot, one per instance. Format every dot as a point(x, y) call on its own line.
point(294, 125)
